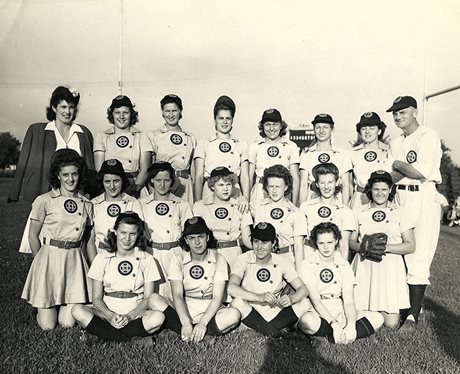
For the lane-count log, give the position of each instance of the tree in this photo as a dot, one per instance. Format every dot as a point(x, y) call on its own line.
point(9, 150)
point(450, 172)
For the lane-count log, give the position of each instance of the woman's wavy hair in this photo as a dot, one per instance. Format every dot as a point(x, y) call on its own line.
point(368, 189)
point(62, 93)
point(323, 169)
point(211, 243)
point(133, 119)
point(283, 130)
point(66, 157)
point(232, 178)
point(278, 171)
point(158, 166)
point(324, 228)
point(129, 218)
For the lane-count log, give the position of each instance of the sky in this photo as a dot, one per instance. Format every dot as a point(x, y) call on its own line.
point(301, 57)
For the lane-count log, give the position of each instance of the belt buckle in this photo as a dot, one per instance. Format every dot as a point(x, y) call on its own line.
point(177, 173)
point(67, 244)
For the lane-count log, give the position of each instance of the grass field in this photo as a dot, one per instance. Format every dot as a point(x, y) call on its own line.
point(24, 348)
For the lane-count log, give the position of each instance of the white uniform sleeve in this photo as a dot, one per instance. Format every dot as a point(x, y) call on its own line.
point(151, 273)
point(146, 145)
point(97, 269)
point(99, 143)
point(221, 274)
point(240, 265)
point(39, 208)
point(429, 153)
point(175, 268)
point(252, 153)
point(200, 151)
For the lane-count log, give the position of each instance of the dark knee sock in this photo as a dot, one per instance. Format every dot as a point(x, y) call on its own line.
point(255, 321)
point(213, 329)
point(285, 318)
point(416, 294)
point(363, 328)
point(135, 328)
point(105, 330)
point(325, 329)
point(172, 321)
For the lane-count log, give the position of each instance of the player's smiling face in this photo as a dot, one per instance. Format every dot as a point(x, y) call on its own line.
point(126, 235)
point(272, 130)
point(171, 114)
point(122, 117)
point(405, 117)
point(323, 131)
point(223, 189)
point(370, 134)
point(262, 248)
point(64, 112)
point(276, 187)
point(224, 121)
point(112, 185)
point(197, 243)
point(380, 192)
point(162, 183)
point(326, 244)
point(326, 184)
point(68, 176)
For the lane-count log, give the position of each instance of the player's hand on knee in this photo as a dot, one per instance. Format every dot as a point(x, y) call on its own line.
point(118, 321)
point(338, 333)
point(284, 301)
point(350, 333)
point(269, 298)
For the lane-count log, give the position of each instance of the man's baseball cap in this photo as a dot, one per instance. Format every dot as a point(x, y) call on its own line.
point(323, 118)
point(226, 101)
point(370, 119)
point(195, 225)
point(271, 115)
point(381, 175)
point(402, 102)
point(121, 100)
point(264, 231)
point(112, 166)
point(171, 98)
point(220, 171)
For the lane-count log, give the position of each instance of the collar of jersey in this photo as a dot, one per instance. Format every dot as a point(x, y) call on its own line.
point(276, 260)
point(51, 126)
point(314, 259)
point(381, 145)
point(136, 253)
point(101, 198)
point(132, 129)
point(211, 257)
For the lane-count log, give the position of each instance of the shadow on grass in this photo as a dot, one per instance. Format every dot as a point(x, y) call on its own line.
point(446, 326)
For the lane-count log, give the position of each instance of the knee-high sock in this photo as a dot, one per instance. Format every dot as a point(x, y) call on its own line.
point(105, 330)
point(363, 328)
point(285, 318)
point(255, 321)
point(172, 320)
point(135, 328)
point(416, 294)
point(325, 329)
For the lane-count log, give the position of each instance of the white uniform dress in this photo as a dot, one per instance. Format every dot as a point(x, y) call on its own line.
point(198, 278)
point(106, 213)
point(177, 148)
point(382, 286)
point(365, 161)
point(124, 274)
point(264, 155)
point(421, 149)
point(215, 152)
point(226, 223)
point(57, 275)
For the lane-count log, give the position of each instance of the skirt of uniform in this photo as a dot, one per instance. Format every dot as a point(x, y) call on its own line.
point(381, 286)
point(57, 277)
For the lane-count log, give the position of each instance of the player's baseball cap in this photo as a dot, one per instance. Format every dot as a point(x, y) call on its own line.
point(220, 171)
point(370, 119)
point(171, 98)
point(323, 118)
point(271, 115)
point(226, 101)
point(112, 166)
point(195, 225)
point(264, 231)
point(402, 102)
point(380, 175)
point(121, 100)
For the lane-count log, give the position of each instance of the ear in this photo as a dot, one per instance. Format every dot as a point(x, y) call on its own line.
point(379, 132)
point(415, 113)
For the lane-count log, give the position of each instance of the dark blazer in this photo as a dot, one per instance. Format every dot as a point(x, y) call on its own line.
point(35, 160)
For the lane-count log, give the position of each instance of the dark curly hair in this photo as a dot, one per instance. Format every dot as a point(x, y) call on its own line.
point(211, 243)
point(66, 157)
point(368, 189)
point(227, 178)
point(133, 119)
point(124, 181)
point(283, 130)
point(278, 171)
point(323, 169)
point(62, 93)
point(129, 218)
point(223, 106)
point(324, 228)
point(158, 166)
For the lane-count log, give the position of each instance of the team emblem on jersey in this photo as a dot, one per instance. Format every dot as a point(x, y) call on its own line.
point(277, 213)
point(196, 271)
point(221, 213)
point(411, 157)
point(326, 276)
point(70, 206)
point(370, 156)
point(111, 162)
point(161, 209)
point(176, 139)
point(273, 151)
point(324, 212)
point(323, 158)
point(263, 275)
point(113, 210)
point(125, 268)
point(122, 141)
point(225, 147)
point(368, 115)
point(379, 216)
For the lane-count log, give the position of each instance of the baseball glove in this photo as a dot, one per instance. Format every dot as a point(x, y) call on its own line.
point(373, 247)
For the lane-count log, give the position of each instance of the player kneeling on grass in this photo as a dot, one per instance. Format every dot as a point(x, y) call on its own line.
point(123, 279)
point(197, 275)
point(257, 282)
point(330, 282)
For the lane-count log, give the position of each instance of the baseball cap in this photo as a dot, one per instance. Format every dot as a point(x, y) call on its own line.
point(380, 175)
point(271, 115)
point(112, 166)
point(220, 171)
point(121, 100)
point(171, 98)
point(264, 231)
point(227, 101)
point(322, 118)
point(195, 225)
point(402, 102)
point(370, 119)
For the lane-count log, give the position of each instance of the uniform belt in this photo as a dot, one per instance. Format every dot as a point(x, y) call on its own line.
point(183, 173)
point(227, 244)
point(282, 250)
point(103, 245)
point(207, 297)
point(408, 187)
point(164, 246)
point(121, 294)
point(329, 296)
point(64, 244)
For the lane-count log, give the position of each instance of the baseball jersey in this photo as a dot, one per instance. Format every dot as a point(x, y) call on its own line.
point(365, 161)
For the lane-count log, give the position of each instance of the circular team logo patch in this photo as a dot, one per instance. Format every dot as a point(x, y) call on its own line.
point(326, 275)
point(411, 157)
point(113, 210)
point(221, 213)
point(161, 209)
point(263, 275)
point(277, 213)
point(368, 115)
point(176, 139)
point(324, 212)
point(70, 206)
point(273, 151)
point(323, 158)
point(122, 141)
point(196, 271)
point(111, 162)
point(125, 268)
point(225, 147)
point(379, 216)
point(370, 156)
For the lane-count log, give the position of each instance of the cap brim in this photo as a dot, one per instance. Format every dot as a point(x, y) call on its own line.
point(396, 107)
